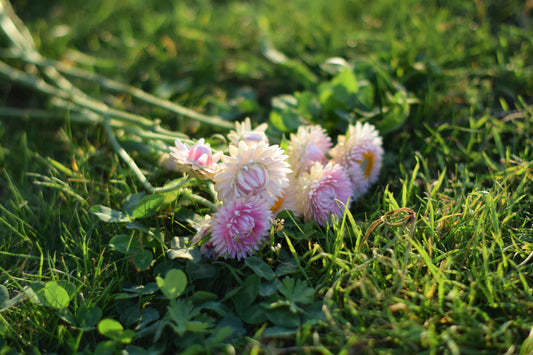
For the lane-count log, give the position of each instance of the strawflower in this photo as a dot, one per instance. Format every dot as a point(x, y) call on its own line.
point(360, 153)
point(240, 227)
point(288, 199)
point(324, 190)
point(197, 160)
point(310, 144)
point(203, 228)
point(258, 169)
point(244, 133)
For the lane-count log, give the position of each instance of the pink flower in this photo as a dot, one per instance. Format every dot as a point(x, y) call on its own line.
point(324, 190)
point(240, 227)
point(310, 144)
point(360, 153)
point(258, 169)
point(197, 160)
point(244, 133)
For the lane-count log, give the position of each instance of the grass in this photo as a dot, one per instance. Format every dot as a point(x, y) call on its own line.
point(436, 258)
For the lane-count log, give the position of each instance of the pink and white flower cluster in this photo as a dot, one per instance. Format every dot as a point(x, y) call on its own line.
point(256, 180)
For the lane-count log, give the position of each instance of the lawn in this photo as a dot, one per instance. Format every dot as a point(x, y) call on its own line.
point(95, 229)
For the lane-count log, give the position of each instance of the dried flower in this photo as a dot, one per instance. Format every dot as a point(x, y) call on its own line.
point(310, 144)
point(244, 133)
point(203, 228)
point(197, 160)
point(360, 153)
point(258, 169)
point(239, 227)
point(208, 249)
point(324, 190)
point(288, 199)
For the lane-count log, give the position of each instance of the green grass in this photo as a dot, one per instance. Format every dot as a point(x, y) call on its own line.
point(434, 259)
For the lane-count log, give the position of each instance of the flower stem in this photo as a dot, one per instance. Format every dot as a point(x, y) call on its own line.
point(126, 157)
point(200, 199)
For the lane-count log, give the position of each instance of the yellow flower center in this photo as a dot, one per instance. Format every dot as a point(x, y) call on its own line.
point(367, 163)
point(277, 204)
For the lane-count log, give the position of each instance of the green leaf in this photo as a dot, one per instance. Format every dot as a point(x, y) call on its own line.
point(125, 244)
point(170, 196)
point(346, 79)
point(285, 121)
point(527, 345)
point(109, 215)
point(88, 316)
point(127, 336)
point(234, 322)
point(247, 294)
point(4, 295)
point(296, 291)
point(200, 297)
point(143, 259)
point(173, 284)
point(283, 317)
point(179, 248)
point(200, 271)
point(139, 227)
point(180, 312)
point(131, 201)
point(55, 295)
point(138, 290)
point(67, 316)
point(284, 102)
point(216, 307)
point(260, 267)
point(149, 315)
point(148, 206)
point(107, 347)
point(268, 288)
point(136, 350)
point(196, 326)
point(396, 113)
point(308, 105)
point(340, 92)
point(219, 335)
point(35, 292)
point(276, 332)
point(129, 313)
point(113, 330)
point(314, 313)
point(254, 314)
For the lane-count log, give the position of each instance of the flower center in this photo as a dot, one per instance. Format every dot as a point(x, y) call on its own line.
point(277, 204)
point(367, 163)
point(201, 155)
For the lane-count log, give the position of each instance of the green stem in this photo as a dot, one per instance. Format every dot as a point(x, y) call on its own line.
point(172, 187)
point(203, 201)
point(126, 157)
point(37, 60)
point(14, 28)
point(81, 101)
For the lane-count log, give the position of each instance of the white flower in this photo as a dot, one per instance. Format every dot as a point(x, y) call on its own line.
point(197, 160)
point(310, 144)
point(244, 133)
point(288, 199)
point(203, 228)
point(360, 153)
point(258, 169)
